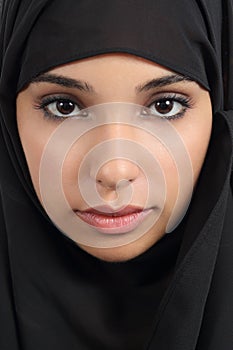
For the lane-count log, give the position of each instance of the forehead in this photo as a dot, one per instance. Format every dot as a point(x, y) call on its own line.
point(122, 71)
point(112, 65)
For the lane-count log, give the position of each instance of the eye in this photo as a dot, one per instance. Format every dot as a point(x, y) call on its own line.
point(62, 108)
point(58, 107)
point(168, 107)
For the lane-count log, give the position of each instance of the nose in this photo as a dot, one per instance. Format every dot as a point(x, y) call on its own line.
point(114, 171)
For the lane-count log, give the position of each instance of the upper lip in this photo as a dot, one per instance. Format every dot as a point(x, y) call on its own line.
point(109, 211)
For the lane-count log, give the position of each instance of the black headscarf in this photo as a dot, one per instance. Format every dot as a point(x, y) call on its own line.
point(54, 295)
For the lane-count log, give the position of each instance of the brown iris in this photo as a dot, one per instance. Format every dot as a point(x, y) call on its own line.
point(65, 106)
point(164, 107)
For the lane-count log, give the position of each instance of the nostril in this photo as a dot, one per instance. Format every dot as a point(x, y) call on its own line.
point(117, 173)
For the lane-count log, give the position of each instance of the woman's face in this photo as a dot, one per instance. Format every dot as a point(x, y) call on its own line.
point(61, 92)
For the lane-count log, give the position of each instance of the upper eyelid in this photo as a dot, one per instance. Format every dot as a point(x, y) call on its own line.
point(50, 98)
point(187, 103)
point(169, 95)
point(67, 95)
point(58, 95)
point(179, 88)
point(153, 96)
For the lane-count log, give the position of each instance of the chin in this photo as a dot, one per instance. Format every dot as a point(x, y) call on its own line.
point(128, 251)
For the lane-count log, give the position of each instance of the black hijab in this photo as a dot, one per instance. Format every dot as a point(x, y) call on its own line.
point(54, 295)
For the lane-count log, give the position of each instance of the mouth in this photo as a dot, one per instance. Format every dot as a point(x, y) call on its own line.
point(109, 221)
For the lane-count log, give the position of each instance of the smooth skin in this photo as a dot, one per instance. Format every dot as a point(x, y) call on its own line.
point(116, 78)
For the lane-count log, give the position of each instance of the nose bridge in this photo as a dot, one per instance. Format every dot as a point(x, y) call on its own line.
point(118, 130)
point(115, 166)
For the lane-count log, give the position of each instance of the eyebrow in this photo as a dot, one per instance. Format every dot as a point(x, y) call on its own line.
point(86, 87)
point(63, 81)
point(163, 81)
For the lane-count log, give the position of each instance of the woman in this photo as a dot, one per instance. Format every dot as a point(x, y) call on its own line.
point(83, 86)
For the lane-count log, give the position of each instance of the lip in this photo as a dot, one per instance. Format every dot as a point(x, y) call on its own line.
point(106, 220)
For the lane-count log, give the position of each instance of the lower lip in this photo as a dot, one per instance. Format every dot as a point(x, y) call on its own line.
point(114, 224)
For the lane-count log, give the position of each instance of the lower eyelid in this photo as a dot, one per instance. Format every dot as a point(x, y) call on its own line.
point(46, 101)
point(185, 101)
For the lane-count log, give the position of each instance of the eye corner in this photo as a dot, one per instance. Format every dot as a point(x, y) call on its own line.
point(49, 105)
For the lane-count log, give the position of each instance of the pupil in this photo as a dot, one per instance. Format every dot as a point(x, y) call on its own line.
point(65, 107)
point(164, 107)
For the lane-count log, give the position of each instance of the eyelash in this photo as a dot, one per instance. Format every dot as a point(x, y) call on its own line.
point(46, 101)
point(184, 101)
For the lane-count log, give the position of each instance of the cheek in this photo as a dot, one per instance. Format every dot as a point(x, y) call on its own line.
point(194, 129)
point(35, 134)
point(76, 157)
